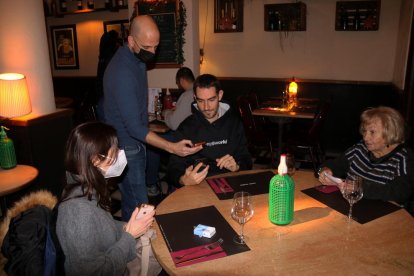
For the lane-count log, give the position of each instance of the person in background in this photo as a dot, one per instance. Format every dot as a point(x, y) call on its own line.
point(92, 241)
point(125, 108)
point(173, 118)
point(213, 124)
point(108, 45)
point(381, 158)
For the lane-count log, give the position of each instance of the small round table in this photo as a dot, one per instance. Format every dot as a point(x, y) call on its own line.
point(13, 180)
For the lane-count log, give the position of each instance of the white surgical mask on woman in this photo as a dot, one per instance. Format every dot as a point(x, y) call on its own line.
point(116, 168)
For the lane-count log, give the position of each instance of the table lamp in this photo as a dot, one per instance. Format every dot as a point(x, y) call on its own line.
point(14, 102)
point(293, 91)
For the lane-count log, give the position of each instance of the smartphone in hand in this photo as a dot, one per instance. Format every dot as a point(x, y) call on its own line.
point(199, 144)
point(201, 160)
point(144, 209)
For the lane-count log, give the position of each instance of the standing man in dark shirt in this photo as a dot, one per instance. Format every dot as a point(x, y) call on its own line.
point(125, 107)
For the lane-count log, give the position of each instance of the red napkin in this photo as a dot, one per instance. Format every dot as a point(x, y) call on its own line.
point(220, 185)
point(327, 189)
point(197, 255)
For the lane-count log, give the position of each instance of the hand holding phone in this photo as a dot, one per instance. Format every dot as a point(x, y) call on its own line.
point(144, 209)
point(201, 160)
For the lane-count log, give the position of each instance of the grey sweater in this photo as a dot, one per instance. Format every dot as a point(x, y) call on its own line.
point(92, 241)
point(173, 118)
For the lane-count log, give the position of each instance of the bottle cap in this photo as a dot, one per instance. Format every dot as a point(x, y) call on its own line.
point(282, 168)
point(3, 134)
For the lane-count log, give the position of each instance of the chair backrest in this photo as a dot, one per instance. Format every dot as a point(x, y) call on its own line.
point(246, 114)
point(318, 123)
point(86, 111)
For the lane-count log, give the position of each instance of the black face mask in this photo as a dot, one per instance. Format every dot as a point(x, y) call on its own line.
point(145, 56)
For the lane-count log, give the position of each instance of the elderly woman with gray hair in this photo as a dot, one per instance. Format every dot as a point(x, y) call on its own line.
point(381, 158)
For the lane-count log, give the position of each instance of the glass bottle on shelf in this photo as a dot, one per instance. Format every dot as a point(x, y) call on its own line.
point(344, 19)
point(108, 4)
point(158, 107)
point(357, 20)
point(79, 4)
point(63, 6)
point(272, 21)
point(120, 3)
point(278, 20)
point(91, 4)
point(168, 101)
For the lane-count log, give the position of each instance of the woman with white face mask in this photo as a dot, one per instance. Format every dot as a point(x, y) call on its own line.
point(92, 241)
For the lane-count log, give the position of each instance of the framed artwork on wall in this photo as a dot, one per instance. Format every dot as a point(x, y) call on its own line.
point(170, 17)
point(65, 47)
point(228, 16)
point(120, 26)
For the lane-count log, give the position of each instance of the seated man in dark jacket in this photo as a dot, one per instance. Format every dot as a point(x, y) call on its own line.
point(220, 130)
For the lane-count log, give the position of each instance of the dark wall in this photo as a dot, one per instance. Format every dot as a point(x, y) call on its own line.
point(347, 101)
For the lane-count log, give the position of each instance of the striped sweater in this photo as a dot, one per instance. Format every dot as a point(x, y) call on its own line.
point(390, 177)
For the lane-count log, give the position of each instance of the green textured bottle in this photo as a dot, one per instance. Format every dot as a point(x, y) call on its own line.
point(281, 195)
point(7, 154)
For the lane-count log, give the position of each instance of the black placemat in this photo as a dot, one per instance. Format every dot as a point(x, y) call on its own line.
point(177, 229)
point(363, 211)
point(254, 183)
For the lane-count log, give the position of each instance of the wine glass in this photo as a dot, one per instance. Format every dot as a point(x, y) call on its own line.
point(352, 191)
point(290, 163)
point(241, 211)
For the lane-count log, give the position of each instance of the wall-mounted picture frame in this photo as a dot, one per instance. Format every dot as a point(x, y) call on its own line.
point(228, 16)
point(170, 17)
point(120, 26)
point(65, 47)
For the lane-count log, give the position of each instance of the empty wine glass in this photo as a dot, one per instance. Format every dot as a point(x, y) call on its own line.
point(241, 211)
point(290, 163)
point(352, 191)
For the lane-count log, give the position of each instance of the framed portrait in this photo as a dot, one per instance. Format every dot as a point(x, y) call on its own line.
point(120, 26)
point(65, 47)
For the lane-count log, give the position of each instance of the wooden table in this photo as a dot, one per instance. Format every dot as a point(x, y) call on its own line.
point(13, 180)
point(319, 241)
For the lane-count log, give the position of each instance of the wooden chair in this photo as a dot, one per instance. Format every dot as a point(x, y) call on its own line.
point(258, 135)
point(305, 144)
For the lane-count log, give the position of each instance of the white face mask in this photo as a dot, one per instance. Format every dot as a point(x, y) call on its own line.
point(117, 167)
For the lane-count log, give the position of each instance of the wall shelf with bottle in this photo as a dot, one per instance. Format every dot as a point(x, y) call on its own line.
point(357, 15)
point(67, 7)
point(285, 17)
point(228, 16)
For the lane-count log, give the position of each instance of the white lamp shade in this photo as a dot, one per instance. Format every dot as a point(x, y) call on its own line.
point(14, 95)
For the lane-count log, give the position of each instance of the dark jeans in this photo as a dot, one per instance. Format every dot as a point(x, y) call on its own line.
point(154, 160)
point(133, 188)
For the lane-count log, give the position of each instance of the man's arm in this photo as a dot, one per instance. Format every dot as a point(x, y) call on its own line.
point(181, 148)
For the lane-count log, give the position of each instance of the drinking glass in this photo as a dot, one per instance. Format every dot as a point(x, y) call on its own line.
point(290, 163)
point(241, 211)
point(352, 191)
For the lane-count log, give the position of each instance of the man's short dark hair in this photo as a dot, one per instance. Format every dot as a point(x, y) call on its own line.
point(207, 81)
point(184, 73)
